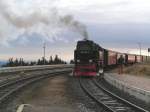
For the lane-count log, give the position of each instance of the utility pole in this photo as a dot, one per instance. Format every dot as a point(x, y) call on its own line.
point(140, 50)
point(148, 53)
point(44, 47)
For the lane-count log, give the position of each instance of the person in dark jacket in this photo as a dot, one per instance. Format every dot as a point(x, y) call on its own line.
point(120, 64)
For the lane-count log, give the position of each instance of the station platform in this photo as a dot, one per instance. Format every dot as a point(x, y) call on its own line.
point(138, 86)
point(142, 82)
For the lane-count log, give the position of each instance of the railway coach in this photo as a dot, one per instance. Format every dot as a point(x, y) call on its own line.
point(90, 59)
point(131, 58)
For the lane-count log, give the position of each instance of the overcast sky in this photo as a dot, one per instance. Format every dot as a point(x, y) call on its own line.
point(114, 24)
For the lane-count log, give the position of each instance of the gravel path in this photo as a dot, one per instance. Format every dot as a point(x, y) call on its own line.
point(52, 97)
point(136, 81)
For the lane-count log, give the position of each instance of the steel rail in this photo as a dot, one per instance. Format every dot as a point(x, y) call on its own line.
point(137, 108)
point(106, 99)
point(86, 90)
point(31, 68)
point(9, 88)
point(12, 77)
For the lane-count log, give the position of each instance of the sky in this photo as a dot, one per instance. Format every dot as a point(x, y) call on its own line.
point(118, 25)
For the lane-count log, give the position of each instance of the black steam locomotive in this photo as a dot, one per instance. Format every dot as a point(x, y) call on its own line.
point(91, 59)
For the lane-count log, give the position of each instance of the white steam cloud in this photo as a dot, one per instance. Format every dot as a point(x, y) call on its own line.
point(24, 19)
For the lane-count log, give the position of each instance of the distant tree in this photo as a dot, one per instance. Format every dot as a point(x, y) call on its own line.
point(56, 59)
point(32, 63)
point(51, 60)
point(16, 62)
point(44, 61)
point(20, 62)
point(10, 62)
point(39, 62)
point(71, 61)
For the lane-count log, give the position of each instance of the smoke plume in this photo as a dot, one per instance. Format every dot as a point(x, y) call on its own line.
point(49, 23)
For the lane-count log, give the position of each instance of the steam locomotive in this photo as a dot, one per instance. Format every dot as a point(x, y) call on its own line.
point(91, 59)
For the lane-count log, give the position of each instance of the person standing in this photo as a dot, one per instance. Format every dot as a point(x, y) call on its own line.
point(120, 64)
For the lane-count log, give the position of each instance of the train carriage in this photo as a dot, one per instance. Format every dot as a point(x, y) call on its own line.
point(112, 58)
point(131, 58)
point(145, 58)
point(148, 59)
point(138, 58)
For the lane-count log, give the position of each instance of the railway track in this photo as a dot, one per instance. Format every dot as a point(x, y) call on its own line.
point(14, 76)
point(109, 101)
point(9, 88)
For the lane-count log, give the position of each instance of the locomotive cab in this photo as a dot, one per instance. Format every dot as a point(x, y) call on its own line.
point(88, 58)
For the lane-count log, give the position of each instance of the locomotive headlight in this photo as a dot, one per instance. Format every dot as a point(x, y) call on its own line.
point(90, 61)
point(78, 61)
